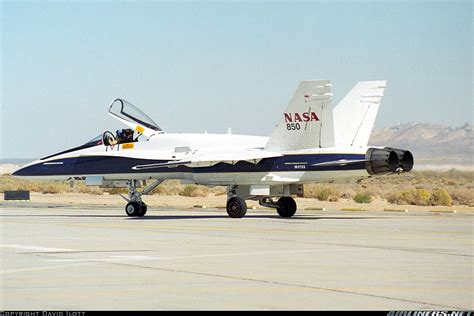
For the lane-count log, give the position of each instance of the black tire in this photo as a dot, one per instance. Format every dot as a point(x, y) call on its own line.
point(133, 209)
point(143, 209)
point(236, 207)
point(286, 206)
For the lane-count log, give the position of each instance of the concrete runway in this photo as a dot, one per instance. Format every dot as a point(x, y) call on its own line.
point(68, 258)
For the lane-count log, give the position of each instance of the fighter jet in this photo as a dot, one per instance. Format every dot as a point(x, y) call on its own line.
point(311, 142)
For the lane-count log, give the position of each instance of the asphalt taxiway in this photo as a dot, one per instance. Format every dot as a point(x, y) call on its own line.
point(89, 258)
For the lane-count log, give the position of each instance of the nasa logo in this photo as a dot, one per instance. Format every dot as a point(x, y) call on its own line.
point(303, 117)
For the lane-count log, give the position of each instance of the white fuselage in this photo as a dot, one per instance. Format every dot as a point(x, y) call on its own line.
point(114, 163)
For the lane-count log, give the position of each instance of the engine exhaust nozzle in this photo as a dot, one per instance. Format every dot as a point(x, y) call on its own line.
point(405, 159)
point(388, 160)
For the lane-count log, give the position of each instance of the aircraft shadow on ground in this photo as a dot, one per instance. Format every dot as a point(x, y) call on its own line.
point(305, 217)
point(61, 215)
point(196, 217)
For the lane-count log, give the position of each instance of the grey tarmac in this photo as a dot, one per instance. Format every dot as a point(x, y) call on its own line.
point(90, 258)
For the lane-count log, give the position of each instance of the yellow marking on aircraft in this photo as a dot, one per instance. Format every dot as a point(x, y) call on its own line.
point(139, 129)
point(128, 146)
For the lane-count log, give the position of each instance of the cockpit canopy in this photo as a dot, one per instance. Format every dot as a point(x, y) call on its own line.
point(130, 115)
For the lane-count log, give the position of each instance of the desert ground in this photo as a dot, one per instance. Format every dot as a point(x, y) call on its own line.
point(420, 190)
point(212, 201)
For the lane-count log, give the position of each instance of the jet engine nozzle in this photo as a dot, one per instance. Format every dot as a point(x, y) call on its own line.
point(388, 160)
point(380, 161)
point(405, 158)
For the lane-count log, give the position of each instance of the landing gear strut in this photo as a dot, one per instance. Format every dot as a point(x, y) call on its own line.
point(135, 206)
point(237, 208)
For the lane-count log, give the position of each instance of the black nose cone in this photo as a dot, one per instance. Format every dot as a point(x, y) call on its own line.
point(19, 172)
point(29, 170)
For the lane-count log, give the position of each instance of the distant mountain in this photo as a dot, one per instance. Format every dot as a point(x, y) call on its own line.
point(431, 142)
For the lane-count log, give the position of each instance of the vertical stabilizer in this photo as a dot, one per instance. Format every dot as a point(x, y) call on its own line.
point(355, 115)
point(307, 121)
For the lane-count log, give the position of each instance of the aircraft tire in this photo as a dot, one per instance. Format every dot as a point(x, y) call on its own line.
point(143, 209)
point(133, 209)
point(286, 206)
point(236, 207)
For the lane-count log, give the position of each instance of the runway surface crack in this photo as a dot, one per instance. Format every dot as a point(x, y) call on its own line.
point(283, 284)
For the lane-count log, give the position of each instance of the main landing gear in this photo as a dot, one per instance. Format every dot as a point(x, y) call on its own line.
point(135, 206)
point(285, 206)
point(237, 208)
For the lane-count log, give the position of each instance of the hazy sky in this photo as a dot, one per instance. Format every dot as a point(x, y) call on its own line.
point(203, 66)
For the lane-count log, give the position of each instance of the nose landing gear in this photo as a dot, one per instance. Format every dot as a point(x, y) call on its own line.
point(136, 209)
point(135, 206)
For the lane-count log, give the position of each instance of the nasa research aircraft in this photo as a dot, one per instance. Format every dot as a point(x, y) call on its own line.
point(312, 142)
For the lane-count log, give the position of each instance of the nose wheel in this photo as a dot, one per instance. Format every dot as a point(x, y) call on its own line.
point(135, 209)
point(135, 206)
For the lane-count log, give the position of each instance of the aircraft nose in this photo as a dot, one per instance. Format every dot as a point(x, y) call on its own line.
point(23, 171)
point(30, 169)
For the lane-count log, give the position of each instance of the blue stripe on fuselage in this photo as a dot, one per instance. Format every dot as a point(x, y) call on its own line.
point(114, 165)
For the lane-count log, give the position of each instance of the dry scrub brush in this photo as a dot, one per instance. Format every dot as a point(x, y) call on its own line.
point(451, 187)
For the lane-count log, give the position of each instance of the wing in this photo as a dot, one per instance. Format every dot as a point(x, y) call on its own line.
point(210, 159)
